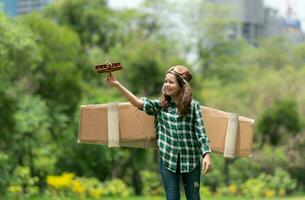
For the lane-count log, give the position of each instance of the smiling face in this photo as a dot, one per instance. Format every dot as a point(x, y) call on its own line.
point(171, 86)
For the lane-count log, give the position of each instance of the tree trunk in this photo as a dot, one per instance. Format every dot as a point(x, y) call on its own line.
point(136, 181)
point(227, 171)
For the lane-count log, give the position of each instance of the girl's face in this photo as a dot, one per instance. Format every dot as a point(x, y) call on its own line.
point(171, 86)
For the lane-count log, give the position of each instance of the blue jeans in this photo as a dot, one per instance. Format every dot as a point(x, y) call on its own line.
point(171, 182)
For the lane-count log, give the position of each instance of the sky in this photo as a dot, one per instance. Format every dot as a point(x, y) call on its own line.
point(298, 7)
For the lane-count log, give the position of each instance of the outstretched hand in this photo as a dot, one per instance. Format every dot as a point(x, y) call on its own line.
point(110, 80)
point(206, 163)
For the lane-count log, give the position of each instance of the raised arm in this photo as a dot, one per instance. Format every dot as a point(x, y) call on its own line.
point(134, 100)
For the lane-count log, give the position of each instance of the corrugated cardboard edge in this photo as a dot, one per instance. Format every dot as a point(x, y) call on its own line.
point(80, 124)
point(253, 124)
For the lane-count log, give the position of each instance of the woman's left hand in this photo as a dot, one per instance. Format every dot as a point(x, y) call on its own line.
point(206, 163)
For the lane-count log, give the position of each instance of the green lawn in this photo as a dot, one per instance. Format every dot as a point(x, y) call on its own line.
point(161, 198)
point(211, 198)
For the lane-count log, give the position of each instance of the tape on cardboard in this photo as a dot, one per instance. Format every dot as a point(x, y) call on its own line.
point(231, 136)
point(113, 125)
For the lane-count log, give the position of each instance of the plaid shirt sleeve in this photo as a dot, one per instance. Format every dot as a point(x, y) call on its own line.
point(200, 130)
point(151, 107)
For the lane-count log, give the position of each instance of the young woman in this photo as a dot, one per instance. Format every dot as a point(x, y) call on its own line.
point(182, 140)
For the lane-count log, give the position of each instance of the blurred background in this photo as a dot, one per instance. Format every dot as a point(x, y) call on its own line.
point(246, 56)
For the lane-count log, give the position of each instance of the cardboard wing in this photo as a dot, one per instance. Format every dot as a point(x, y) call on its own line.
point(219, 125)
point(121, 124)
point(135, 128)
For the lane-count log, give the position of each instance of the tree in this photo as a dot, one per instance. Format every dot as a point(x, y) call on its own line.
point(57, 77)
point(282, 117)
point(92, 20)
point(280, 56)
point(146, 62)
point(217, 51)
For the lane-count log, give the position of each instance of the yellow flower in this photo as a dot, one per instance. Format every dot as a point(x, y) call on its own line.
point(63, 181)
point(77, 187)
point(96, 192)
point(14, 189)
point(282, 192)
point(232, 189)
point(68, 176)
point(269, 194)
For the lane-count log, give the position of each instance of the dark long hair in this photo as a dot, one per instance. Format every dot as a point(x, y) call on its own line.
point(185, 96)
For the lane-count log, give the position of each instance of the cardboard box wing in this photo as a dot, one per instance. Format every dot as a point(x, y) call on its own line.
point(136, 128)
point(217, 122)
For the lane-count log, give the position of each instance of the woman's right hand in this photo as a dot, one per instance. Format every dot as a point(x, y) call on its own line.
point(111, 81)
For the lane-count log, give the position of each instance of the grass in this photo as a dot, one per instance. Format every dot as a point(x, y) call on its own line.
point(162, 198)
point(211, 198)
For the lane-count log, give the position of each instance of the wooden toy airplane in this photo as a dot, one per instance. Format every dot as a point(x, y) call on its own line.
point(108, 67)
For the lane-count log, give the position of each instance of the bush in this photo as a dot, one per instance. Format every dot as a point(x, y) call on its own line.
point(231, 190)
point(278, 120)
point(254, 188)
point(281, 182)
point(4, 169)
point(117, 187)
point(205, 192)
point(68, 184)
point(266, 185)
point(216, 176)
point(151, 183)
point(22, 183)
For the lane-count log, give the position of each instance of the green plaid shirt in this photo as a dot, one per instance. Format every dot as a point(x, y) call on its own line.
point(179, 135)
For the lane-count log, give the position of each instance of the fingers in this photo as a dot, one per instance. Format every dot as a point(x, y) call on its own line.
point(110, 80)
point(206, 166)
point(107, 80)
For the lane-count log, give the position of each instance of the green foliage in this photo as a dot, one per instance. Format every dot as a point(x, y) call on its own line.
point(93, 160)
point(230, 190)
point(254, 188)
point(152, 185)
point(243, 168)
point(117, 187)
point(299, 52)
point(22, 183)
point(158, 58)
point(69, 185)
point(7, 122)
point(31, 116)
point(270, 158)
point(259, 90)
point(266, 185)
point(19, 53)
point(58, 77)
point(218, 54)
point(215, 178)
point(282, 117)
point(5, 167)
point(279, 58)
point(44, 160)
point(281, 181)
point(205, 192)
point(32, 124)
point(92, 20)
point(296, 158)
